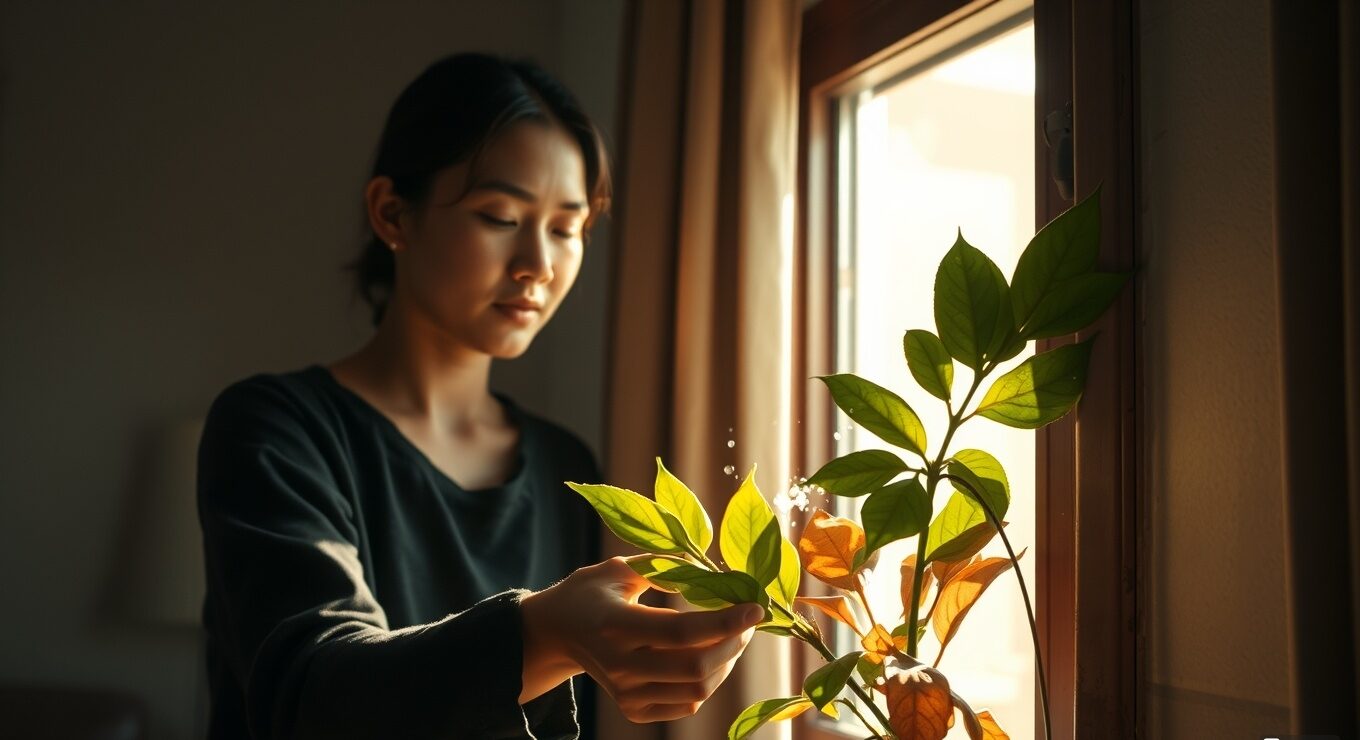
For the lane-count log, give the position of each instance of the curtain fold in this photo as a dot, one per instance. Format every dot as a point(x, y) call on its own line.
point(700, 357)
point(1314, 62)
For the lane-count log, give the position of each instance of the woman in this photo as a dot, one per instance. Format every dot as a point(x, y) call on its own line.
point(391, 551)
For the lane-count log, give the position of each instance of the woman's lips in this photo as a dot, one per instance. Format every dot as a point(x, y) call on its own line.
point(520, 313)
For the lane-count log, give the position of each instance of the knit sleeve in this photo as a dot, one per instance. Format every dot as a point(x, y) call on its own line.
point(290, 610)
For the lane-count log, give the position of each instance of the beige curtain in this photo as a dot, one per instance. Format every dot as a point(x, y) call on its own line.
point(700, 370)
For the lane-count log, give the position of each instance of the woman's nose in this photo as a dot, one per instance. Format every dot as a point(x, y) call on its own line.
point(533, 258)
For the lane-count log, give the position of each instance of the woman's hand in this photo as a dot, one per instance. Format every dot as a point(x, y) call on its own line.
point(657, 664)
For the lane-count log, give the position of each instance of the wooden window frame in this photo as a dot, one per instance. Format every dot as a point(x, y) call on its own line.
point(1086, 467)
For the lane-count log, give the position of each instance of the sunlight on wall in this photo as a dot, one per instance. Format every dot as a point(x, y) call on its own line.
point(947, 148)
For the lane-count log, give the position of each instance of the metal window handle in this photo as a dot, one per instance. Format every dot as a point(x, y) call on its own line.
point(1058, 136)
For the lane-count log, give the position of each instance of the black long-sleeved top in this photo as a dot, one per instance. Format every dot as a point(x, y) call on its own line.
point(355, 591)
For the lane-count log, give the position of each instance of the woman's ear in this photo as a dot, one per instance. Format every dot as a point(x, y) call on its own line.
point(384, 210)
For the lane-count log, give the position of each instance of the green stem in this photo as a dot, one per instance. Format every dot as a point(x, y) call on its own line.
point(826, 653)
point(866, 723)
point(932, 481)
point(1024, 592)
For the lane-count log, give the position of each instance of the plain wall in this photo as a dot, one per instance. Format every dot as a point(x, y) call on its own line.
point(1213, 596)
point(179, 186)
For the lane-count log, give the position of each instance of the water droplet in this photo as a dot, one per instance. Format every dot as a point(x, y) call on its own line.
point(730, 469)
point(836, 436)
point(731, 443)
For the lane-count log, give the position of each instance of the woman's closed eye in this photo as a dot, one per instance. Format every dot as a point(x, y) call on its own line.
point(496, 221)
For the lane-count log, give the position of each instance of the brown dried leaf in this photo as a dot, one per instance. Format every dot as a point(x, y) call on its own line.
point(909, 576)
point(880, 643)
point(836, 607)
point(827, 549)
point(960, 593)
point(919, 704)
point(945, 571)
point(990, 729)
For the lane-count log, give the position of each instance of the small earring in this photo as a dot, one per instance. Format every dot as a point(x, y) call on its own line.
point(393, 245)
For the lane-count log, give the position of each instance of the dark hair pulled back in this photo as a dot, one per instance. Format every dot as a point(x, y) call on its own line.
point(447, 116)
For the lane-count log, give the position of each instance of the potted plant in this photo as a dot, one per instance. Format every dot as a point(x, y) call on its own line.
point(981, 321)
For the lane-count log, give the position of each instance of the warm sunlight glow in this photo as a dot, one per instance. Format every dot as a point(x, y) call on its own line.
point(950, 147)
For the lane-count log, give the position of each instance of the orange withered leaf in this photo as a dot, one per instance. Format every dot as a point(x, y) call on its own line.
point(979, 725)
point(944, 571)
point(827, 549)
point(960, 593)
point(836, 607)
point(879, 643)
point(919, 704)
point(909, 577)
point(990, 729)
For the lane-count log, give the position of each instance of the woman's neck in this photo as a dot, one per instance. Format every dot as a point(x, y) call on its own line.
point(414, 371)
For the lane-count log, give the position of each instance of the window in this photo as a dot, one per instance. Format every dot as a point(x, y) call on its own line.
point(888, 171)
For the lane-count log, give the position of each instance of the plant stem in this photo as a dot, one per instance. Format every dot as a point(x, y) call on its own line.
point(956, 420)
point(820, 647)
point(1024, 592)
point(866, 723)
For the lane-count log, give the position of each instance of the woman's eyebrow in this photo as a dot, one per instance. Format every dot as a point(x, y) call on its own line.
point(520, 193)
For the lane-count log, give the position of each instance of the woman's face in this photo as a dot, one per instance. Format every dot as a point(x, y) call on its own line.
point(490, 269)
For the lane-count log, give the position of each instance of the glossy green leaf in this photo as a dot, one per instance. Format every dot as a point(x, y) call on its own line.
point(929, 362)
point(878, 410)
point(784, 589)
point(649, 565)
point(870, 671)
point(1063, 249)
point(1039, 390)
point(985, 474)
point(858, 473)
point(675, 496)
point(703, 588)
point(636, 519)
point(750, 539)
point(972, 305)
point(891, 513)
point(951, 527)
point(827, 682)
point(1074, 304)
point(770, 710)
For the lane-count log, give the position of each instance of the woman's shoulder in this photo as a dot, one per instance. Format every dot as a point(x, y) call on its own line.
point(271, 401)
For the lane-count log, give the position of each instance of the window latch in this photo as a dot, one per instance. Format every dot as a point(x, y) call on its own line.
point(1058, 136)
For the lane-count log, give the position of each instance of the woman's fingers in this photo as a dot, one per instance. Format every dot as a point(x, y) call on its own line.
point(687, 664)
point(663, 628)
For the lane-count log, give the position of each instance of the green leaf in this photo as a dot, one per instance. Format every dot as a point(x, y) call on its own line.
point(649, 565)
point(972, 305)
point(959, 515)
point(929, 362)
point(750, 537)
point(1063, 249)
point(879, 410)
point(778, 629)
point(675, 496)
point(703, 588)
point(985, 474)
point(1039, 390)
point(1074, 304)
point(636, 519)
point(891, 513)
point(784, 589)
point(858, 473)
point(827, 682)
point(769, 710)
point(869, 670)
